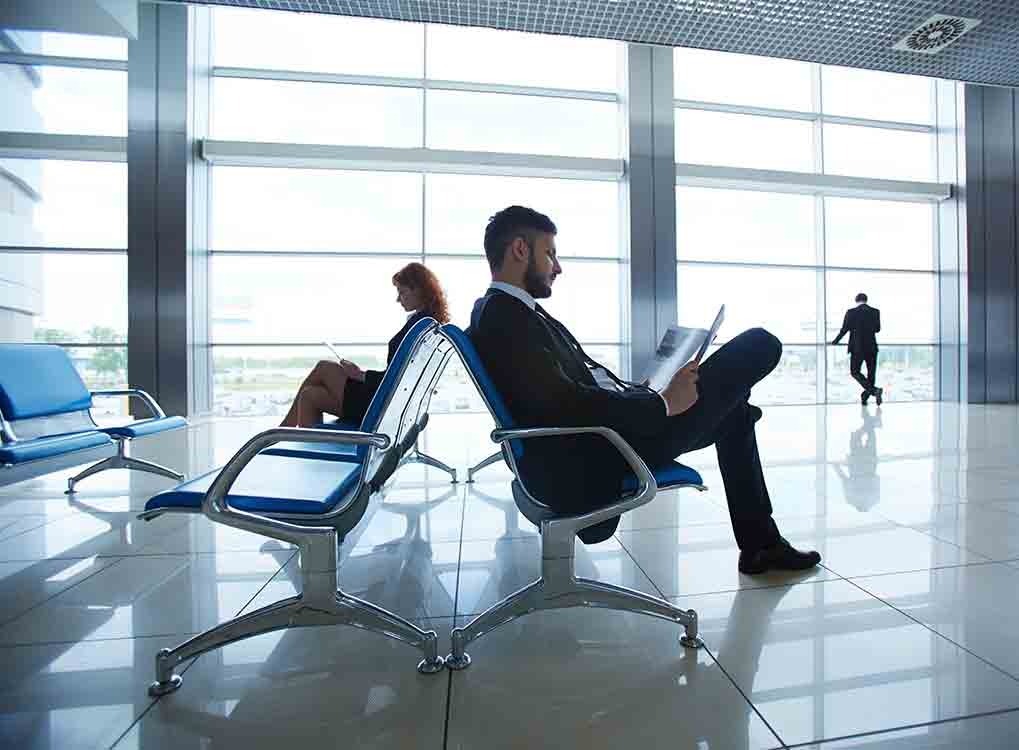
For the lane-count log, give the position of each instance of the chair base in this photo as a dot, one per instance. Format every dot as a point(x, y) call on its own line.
point(122, 460)
point(415, 456)
point(319, 603)
point(494, 458)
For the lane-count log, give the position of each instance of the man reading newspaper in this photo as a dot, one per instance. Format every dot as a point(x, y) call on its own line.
point(547, 379)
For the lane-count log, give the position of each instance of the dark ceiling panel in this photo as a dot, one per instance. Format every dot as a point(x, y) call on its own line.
point(855, 33)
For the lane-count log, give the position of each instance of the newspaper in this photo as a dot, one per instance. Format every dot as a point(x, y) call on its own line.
point(679, 346)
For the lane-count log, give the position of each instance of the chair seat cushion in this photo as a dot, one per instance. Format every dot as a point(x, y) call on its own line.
point(321, 451)
point(272, 484)
point(146, 427)
point(671, 475)
point(48, 447)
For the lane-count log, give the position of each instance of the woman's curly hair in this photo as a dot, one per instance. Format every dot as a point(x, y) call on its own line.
point(421, 279)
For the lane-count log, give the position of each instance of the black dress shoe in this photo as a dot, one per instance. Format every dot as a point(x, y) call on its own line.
point(780, 556)
point(863, 398)
point(878, 393)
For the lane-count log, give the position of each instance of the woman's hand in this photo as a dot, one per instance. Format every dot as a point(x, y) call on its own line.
point(352, 371)
point(681, 392)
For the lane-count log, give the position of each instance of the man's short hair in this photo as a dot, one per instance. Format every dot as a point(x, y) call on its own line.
point(861, 297)
point(507, 225)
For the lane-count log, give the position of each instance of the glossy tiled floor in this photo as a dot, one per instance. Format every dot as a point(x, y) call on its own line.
point(908, 637)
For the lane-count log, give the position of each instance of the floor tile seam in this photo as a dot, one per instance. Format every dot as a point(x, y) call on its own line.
point(269, 580)
point(36, 528)
point(16, 534)
point(629, 554)
point(753, 706)
point(134, 723)
point(918, 725)
point(977, 563)
point(931, 628)
point(157, 553)
point(954, 544)
point(459, 563)
point(116, 561)
point(99, 640)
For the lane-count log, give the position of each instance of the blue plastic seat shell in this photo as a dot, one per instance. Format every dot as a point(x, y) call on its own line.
point(145, 427)
point(39, 380)
point(667, 477)
point(320, 451)
point(48, 447)
point(272, 484)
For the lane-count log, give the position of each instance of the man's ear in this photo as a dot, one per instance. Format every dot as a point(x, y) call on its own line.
point(519, 249)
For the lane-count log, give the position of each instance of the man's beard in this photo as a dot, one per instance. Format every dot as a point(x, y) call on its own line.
point(534, 282)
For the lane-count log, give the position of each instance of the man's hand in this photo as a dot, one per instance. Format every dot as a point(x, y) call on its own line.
point(352, 371)
point(681, 392)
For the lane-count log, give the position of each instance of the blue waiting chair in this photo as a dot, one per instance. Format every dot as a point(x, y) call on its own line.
point(46, 424)
point(558, 586)
point(301, 485)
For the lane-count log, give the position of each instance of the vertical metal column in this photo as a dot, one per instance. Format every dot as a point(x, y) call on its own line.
point(950, 243)
point(650, 197)
point(160, 158)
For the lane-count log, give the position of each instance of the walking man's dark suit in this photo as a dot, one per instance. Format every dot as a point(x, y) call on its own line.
point(862, 323)
point(546, 379)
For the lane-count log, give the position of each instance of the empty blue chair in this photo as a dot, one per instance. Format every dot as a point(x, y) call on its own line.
point(292, 485)
point(558, 585)
point(46, 423)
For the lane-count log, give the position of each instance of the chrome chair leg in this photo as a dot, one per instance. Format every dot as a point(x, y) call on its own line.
point(122, 460)
point(417, 457)
point(361, 614)
point(275, 616)
point(528, 599)
point(494, 458)
point(113, 462)
point(609, 596)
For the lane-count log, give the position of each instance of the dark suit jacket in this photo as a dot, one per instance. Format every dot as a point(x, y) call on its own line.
point(545, 379)
point(861, 323)
point(357, 395)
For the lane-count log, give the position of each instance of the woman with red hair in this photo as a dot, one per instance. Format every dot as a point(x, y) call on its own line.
point(344, 389)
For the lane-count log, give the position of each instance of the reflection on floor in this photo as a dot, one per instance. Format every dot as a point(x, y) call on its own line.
point(907, 638)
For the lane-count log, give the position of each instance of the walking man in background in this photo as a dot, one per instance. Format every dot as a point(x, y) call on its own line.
point(862, 323)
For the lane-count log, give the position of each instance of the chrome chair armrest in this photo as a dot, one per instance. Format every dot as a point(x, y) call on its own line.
point(216, 506)
point(647, 487)
point(138, 393)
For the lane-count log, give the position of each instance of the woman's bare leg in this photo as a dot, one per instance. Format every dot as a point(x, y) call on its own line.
point(312, 402)
point(325, 385)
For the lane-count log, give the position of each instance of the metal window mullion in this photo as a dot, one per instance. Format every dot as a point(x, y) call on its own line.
point(43, 250)
point(404, 254)
point(57, 61)
point(305, 344)
point(805, 267)
point(820, 245)
point(472, 87)
point(817, 115)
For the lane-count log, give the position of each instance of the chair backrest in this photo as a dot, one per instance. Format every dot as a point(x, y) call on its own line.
point(394, 398)
point(476, 368)
point(39, 381)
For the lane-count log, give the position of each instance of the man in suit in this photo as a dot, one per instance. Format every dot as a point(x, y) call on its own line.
point(547, 379)
point(861, 323)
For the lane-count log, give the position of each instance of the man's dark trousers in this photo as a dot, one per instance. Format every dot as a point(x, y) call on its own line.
point(856, 360)
point(723, 417)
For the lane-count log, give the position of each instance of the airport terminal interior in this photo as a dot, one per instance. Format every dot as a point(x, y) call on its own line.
point(199, 201)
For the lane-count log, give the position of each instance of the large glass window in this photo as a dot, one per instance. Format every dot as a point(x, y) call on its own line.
point(63, 224)
point(794, 263)
point(302, 256)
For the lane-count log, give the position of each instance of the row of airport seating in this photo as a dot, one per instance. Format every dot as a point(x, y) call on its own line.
point(312, 487)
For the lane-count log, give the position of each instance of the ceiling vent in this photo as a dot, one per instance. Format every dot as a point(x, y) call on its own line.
point(936, 33)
